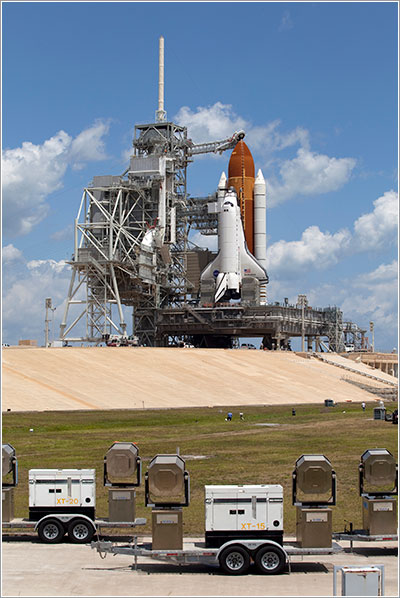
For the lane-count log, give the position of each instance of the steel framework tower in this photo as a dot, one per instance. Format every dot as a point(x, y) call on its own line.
point(131, 235)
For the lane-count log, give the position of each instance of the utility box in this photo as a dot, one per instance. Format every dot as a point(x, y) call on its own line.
point(121, 505)
point(248, 512)
point(167, 529)
point(379, 413)
point(360, 581)
point(314, 527)
point(379, 515)
point(61, 491)
point(7, 504)
point(329, 403)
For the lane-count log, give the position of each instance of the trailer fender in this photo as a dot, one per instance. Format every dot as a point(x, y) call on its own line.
point(65, 519)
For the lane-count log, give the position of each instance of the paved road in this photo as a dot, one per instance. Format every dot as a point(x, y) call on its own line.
point(33, 569)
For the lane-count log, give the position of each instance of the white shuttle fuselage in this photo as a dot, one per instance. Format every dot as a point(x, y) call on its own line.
point(234, 262)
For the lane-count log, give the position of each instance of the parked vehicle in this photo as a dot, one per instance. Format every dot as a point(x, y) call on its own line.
point(61, 501)
point(349, 348)
point(117, 340)
point(243, 524)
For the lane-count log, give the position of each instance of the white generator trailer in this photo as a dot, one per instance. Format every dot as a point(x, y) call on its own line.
point(243, 524)
point(63, 501)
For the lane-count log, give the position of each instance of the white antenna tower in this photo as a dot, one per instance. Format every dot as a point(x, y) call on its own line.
point(161, 114)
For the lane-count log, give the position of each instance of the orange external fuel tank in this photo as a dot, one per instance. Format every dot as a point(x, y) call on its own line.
point(241, 176)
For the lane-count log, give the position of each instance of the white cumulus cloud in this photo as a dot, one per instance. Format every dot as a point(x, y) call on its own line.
point(378, 228)
point(315, 249)
point(384, 273)
point(320, 250)
point(269, 139)
point(31, 172)
point(11, 254)
point(89, 145)
point(374, 296)
point(309, 173)
point(210, 123)
point(24, 292)
point(40, 267)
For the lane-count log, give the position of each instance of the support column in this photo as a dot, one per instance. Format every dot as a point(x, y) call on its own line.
point(278, 341)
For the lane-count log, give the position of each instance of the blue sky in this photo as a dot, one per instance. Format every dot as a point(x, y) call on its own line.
point(314, 85)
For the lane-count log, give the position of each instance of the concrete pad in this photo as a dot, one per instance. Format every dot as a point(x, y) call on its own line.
point(133, 378)
point(34, 569)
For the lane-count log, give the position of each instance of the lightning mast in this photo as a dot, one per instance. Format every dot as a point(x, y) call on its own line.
point(161, 115)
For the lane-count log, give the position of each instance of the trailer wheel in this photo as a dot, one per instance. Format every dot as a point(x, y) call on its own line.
point(51, 531)
point(270, 560)
point(234, 560)
point(80, 531)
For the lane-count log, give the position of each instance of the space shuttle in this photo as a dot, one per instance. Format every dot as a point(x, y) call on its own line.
point(239, 269)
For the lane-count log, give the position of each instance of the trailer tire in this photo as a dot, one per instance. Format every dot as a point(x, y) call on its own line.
point(51, 531)
point(80, 531)
point(270, 560)
point(234, 560)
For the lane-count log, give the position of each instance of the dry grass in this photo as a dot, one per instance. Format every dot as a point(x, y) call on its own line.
point(233, 452)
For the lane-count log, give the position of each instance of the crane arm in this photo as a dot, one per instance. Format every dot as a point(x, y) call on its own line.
point(215, 146)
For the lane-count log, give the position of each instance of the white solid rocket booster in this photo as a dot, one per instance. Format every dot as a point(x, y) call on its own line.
point(260, 220)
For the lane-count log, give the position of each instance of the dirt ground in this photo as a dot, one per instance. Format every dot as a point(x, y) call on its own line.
point(70, 378)
point(31, 568)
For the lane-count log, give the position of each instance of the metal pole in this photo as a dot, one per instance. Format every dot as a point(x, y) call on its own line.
point(135, 544)
point(76, 240)
point(371, 327)
point(53, 309)
point(46, 322)
point(161, 114)
point(302, 300)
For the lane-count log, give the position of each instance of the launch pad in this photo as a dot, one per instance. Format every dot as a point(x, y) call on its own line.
point(219, 326)
point(132, 249)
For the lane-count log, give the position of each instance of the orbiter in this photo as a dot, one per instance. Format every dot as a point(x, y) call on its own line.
point(241, 259)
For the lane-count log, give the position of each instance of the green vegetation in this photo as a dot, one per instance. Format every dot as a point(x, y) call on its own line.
point(237, 452)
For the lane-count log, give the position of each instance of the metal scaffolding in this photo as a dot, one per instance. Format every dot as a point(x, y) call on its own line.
point(220, 326)
point(131, 239)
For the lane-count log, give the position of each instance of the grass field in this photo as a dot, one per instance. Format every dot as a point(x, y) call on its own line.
point(237, 452)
